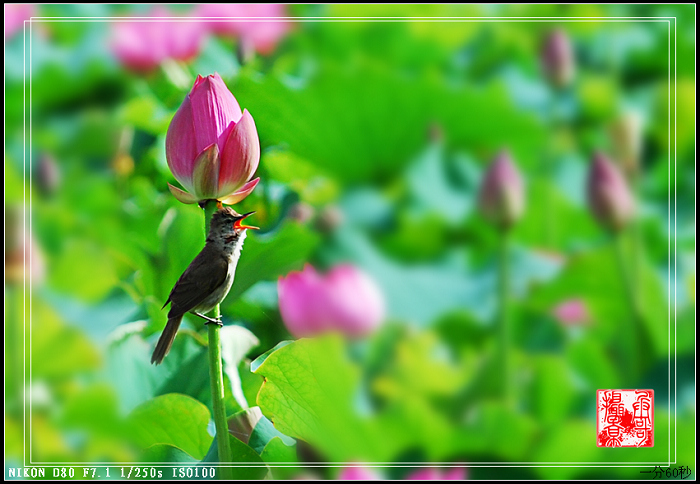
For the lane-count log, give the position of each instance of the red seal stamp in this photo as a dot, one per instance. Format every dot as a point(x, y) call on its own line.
point(625, 418)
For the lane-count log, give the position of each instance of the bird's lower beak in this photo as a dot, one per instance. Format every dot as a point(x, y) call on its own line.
point(238, 224)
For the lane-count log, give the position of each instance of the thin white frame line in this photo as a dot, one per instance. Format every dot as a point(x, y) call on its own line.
point(282, 17)
point(675, 232)
point(193, 20)
point(31, 35)
point(24, 248)
point(446, 465)
point(669, 241)
point(401, 19)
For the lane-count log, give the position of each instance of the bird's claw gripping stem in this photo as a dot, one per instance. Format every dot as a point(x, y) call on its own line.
point(210, 320)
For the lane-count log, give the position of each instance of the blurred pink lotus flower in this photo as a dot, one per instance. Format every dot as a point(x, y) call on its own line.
point(261, 35)
point(15, 15)
point(558, 58)
point(434, 474)
point(142, 45)
point(571, 312)
point(344, 300)
point(608, 194)
point(211, 146)
point(359, 474)
point(501, 198)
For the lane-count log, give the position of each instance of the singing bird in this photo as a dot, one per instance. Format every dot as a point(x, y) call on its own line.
point(208, 279)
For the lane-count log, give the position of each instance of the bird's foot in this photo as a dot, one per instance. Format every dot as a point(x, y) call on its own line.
point(210, 320)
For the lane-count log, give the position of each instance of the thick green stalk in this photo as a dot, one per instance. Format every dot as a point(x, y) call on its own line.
point(216, 371)
point(504, 315)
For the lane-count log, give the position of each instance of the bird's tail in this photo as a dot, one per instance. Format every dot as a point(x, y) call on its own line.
point(166, 340)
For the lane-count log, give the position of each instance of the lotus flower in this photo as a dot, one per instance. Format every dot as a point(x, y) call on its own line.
point(261, 35)
point(344, 300)
point(571, 312)
point(501, 199)
point(15, 15)
point(142, 45)
point(433, 474)
point(558, 58)
point(608, 194)
point(211, 146)
point(356, 473)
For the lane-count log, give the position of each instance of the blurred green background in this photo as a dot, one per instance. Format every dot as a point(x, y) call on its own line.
point(375, 136)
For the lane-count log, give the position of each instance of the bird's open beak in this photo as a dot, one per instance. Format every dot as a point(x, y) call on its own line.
point(239, 225)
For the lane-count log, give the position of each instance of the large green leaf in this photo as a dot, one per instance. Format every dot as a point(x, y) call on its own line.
point(365, 122)
point(174, 419)
point(263, 433)
point(161, 453)
point(308, 393)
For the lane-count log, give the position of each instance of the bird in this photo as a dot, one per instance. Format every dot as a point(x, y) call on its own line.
point(208, 278)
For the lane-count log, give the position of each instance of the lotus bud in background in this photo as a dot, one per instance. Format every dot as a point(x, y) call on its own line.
point(301, 212)
point(626, 136)
point(345, 300)
point(571, 312)
point(143, 45)
point(15, 15)
point(501, 199)
point(356, 473)
point(329, 219)
point(609, 196)
point(253, 29)
point(23, 257)
point(434, 474)
point(211, 146)
point(48, 174)
point(436, 133)
point(558, 58)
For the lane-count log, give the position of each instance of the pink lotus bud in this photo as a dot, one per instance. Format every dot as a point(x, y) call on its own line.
point(143, 45)
point(501, 199)
point(359, 474)
point(608, 194)
point(212, 148)
point(626, 136)
point(344, 300)
point(15, 15)
point(329, 219)
point(571, 312)
point(48, 174)
point(434, 474)
point(558, 58)
point(301, 212)
point(252, 30)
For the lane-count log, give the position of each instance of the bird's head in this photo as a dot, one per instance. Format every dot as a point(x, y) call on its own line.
point(226, 223)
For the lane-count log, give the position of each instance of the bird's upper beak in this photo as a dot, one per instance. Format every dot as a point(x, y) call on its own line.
point(239, 225)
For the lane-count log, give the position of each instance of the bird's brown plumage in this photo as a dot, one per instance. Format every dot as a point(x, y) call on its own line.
point(206, 281)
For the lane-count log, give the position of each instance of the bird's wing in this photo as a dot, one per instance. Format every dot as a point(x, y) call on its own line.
point(198, 281)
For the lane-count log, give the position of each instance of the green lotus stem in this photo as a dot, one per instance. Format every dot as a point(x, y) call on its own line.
point(216, 370)
point(635, 329)
point(547, 172)
point(504, 314)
